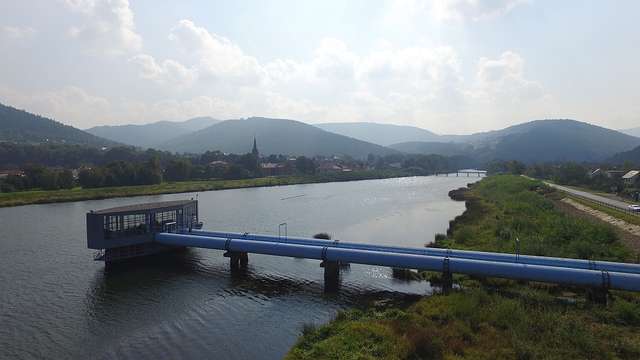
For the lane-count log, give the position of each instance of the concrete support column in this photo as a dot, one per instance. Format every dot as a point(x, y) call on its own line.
point(447, 277)
point(331, 275)
point(598, 295)
point(237, 260)
point(447, 282)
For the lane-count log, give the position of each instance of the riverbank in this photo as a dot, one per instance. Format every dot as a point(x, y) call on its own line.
point(494, 318)
point(78, 194)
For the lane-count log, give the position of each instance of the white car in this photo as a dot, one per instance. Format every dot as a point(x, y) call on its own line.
point(634, 208)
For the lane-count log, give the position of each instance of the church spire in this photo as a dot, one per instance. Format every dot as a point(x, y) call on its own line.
point(254, 151)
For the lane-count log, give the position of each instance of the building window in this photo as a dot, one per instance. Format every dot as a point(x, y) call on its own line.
point(112, 223)
point(136, 222)
point(165, 217)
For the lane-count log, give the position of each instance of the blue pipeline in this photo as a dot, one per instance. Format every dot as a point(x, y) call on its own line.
point(464, 254)
point(508, 270)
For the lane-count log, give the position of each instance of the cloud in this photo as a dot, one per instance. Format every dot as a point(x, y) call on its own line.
point(17, 32)
point(75, 106)
point(334, 83)
point(406, 11)
point(217, 56)
point(70, 104)
point(503, 79)
point(167, 73)
point(460, 10)
point(106, 26)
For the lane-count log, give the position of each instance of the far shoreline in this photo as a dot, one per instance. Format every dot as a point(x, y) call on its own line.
point(22, 198)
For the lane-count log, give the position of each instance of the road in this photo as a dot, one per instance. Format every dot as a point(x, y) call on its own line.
point(597, 198)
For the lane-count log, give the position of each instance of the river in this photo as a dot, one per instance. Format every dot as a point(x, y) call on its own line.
point(56, 302)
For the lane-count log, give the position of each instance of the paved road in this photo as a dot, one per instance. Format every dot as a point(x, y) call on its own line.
point(613, 203)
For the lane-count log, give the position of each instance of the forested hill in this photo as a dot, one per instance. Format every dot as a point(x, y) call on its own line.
point(631, 156)
point(274, 136)
point(534, 141)
point(381, 134)
point(24, 127)
point(557, 140)
point(150, 135)
point(432, 147)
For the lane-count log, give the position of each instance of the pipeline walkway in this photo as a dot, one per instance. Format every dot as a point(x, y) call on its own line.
point(593, 274)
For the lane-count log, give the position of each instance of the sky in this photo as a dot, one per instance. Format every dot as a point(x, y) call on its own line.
point(449, 66)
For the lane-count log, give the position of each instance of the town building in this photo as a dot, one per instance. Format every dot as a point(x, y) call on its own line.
point(631, 178)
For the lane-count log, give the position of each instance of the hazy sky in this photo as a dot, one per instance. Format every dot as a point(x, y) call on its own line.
point(451, 66)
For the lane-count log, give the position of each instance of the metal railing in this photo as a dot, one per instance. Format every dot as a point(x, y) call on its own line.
point(611, 206)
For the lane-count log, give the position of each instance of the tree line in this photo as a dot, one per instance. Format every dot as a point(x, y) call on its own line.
point(59, 166)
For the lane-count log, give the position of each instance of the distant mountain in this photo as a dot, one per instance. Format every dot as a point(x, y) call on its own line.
point(24, 127)
point(554, 140)
point(431, 147)
point(534, 141)
point(150, 135)
point(633, 132)
point(632, 156)
point(381, 134)
point(274, 136)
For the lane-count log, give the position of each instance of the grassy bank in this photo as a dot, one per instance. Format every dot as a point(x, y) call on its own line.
point(492, 318)
point(76, 194)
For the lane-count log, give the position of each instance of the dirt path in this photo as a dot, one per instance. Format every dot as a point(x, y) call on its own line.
point(630, 233)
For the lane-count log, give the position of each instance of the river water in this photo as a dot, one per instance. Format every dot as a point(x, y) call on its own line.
point(57, 303)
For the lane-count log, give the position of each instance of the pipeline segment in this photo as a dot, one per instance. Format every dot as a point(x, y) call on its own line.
point(508, 270)
point(464, 254)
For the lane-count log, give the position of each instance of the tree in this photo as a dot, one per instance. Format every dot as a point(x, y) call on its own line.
point(151, 172)
point(305, 165)
point(250, 162)
point(65, 179)
point(178, 170)
point(91, 178)
point(235, 171)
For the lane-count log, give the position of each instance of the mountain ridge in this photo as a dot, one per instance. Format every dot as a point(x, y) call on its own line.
point(274, 136)
point(151, 134)
point(548, 141)
point(21, 126)
point(381, 134)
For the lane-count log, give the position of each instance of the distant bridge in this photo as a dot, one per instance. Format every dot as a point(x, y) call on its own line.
point(467, 172)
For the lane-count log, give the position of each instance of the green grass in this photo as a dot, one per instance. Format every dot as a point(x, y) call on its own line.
point(478, 324)
point(494, 318)
point(502, 209)
point(76, 194)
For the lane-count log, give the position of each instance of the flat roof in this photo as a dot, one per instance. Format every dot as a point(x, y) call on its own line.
point(145, 207)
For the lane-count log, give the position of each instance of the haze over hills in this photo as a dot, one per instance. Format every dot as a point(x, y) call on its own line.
point(274, 136)
point(632, 156)
point(432, 147)
point(381, 134)
point(633, 131)
point(534, 141)
point(23, 127)
point(150, 135)
point(539, 141)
